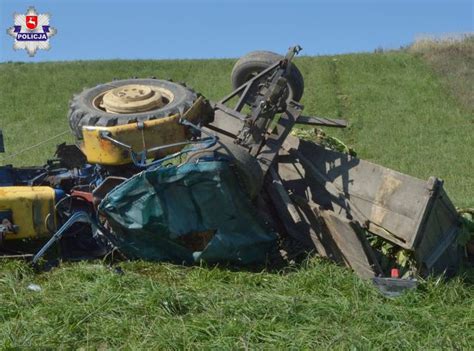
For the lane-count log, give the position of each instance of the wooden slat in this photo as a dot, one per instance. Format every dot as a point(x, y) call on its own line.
point(322, 121)
point(354, 247)
point(293, 229)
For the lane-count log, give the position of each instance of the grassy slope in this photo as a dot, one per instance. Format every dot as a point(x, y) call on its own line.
point(453, 59)
point(401, 117)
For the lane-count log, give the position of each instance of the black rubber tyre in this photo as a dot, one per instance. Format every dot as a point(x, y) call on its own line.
point(83, 112)
point(256, 61)
point(247, 167)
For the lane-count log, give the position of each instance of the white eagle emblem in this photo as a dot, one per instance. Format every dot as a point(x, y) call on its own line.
point(31, 31)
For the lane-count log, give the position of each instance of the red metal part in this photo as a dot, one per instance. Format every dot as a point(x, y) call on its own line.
point(83, 194)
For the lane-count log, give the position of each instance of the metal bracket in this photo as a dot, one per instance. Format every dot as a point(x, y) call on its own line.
point(2, 145)
point(139, 158)
point(270, 71)
point(81, 216)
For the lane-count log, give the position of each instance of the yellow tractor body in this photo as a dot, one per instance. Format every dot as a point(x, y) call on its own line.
point(139, 136)
point(30, 208)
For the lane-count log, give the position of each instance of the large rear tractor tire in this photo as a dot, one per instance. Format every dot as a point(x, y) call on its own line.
point(127, 101)
point(250, 65)
point(246, 167)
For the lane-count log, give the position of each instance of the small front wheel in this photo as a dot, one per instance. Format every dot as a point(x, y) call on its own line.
point(253, 63)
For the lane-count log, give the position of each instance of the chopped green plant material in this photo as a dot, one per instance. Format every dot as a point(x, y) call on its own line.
point(467, 225)
point(392, 256)
point(317, 135)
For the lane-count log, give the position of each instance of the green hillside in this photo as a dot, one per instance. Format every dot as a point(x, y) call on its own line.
point(404, 114)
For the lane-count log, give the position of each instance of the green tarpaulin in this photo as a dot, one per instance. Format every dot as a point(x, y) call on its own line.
point(185, 214)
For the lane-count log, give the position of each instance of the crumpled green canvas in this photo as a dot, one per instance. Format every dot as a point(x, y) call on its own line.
point(153, 211)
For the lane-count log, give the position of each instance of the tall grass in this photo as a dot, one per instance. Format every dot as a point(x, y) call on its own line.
point(430, 43)
point(161, 306)
point(452, 57)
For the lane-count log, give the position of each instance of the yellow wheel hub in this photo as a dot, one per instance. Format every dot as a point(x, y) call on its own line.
point(134, 98)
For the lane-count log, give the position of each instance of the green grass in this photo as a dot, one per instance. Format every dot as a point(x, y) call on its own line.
point(403, 115)
point(150, 306)
point(452, 57)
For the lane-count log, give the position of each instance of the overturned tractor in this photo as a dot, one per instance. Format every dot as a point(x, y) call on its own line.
point(161, 173)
